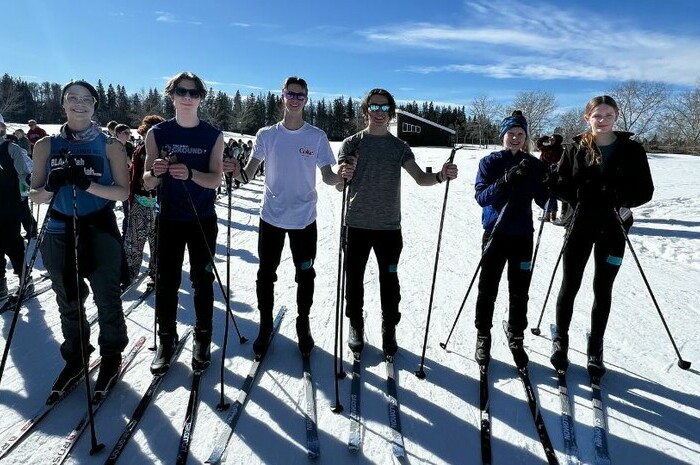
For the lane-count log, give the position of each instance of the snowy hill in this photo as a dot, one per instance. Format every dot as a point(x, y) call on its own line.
point(652, 407)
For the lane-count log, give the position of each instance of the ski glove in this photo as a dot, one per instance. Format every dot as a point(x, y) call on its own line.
point(56, 179)
point(516, 175)
point(76, 177)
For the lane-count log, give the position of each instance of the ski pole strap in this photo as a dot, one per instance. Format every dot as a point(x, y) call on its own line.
point(244, 177)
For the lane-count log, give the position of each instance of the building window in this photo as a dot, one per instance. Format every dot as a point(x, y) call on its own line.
point(405, 127)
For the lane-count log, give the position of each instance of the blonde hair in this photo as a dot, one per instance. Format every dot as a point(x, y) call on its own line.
point(593, 155)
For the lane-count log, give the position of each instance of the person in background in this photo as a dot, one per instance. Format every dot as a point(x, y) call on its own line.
point(23, 142)
point(84, 170)
point(34, 134)
point(142, 214)
point(14, 173)
point(507, 181)
point(602, 174)
point(550, 153)
point(184, 157)
point(122, 133)
point(26, 218)
point(111, 126)
point(292, 149)
point(373, 159)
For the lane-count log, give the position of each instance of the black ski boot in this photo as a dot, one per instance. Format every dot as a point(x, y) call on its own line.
point(515, 344)
point(201, 350)
point(107, 378)
point(166, 349)
point(596, 368)
point(306, 342)
point(70, 374)
point(560, 350)
point(482, 354)
point(389, 345)
point(263, 339)
point(356, 336)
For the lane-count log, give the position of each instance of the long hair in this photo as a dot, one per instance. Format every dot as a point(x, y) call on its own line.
point(593, 155)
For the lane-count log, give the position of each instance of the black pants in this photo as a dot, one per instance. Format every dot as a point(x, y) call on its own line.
point(517, 252)
point(11, 244)
point(173, 236)
point(27, 219)
point(302, 243)
point(387, 245)
point(608, 246)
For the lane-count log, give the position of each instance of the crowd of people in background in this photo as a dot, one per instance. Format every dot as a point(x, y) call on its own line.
point(168, 178)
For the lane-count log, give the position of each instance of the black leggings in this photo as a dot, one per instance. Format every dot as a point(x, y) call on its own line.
point(387, 245)
point(608, 246)
point(517, 252)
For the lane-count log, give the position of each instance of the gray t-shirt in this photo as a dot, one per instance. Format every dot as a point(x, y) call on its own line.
point(375, 190)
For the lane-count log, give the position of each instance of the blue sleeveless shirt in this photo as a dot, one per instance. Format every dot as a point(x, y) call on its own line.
point(193, 147)
point(92, 155)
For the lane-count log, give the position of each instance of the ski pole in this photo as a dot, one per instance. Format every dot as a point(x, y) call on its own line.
point(420, 373)
point(26, 276)
point(536, 331)
point(82, 331)
point(683, 364)
point(229, 312)
point(478, 267)
point(338, 372)
point(154, 256)
point(223, 405)
point(537, 246)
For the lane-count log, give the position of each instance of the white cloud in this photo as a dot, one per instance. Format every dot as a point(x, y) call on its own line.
point(165, 17)
point(508, 40)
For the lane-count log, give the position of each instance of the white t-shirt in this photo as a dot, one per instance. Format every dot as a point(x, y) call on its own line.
point(291, 158)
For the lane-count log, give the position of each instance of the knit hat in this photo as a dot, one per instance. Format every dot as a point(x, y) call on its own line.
point(82, 83)
point(516, 120)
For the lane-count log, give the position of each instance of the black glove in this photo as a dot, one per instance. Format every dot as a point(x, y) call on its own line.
point(56, 178)
point(516, 175)
point(75, 175)
point(57, 171)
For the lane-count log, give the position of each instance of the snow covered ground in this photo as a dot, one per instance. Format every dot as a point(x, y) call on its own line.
point(652, 406)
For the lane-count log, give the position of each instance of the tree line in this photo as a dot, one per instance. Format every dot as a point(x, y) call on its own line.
point(661, 119)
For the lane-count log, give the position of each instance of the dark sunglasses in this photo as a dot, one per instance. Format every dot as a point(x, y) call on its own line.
point(181, 92)
point(374, 107)
point(295, 95)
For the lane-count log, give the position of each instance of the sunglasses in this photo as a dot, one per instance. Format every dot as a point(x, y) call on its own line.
point(182, 92)
point(295, 95)
point(374, 107)
point(86, 100)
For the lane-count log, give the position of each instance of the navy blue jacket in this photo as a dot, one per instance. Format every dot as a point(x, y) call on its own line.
point(492, 195)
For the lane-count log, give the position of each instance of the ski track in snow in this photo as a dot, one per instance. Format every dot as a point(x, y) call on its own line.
point(652, 407)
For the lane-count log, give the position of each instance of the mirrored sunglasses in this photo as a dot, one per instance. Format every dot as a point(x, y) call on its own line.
point(373, 107)
point(295, 95)
point(74, 99)
point(182, 92)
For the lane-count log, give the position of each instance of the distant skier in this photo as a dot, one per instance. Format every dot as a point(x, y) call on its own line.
point(292, 150)
point(550, 153)
point(508, 179)
point(82, 156)
point(374, 213)
point(602, 173)
point(184, 156)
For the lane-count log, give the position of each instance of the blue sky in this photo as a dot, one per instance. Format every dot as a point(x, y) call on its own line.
point(448, 52)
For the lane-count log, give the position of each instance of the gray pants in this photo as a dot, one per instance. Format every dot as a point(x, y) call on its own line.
point(104, 281)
